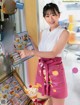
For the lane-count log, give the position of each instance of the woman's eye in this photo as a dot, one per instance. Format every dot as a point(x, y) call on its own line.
point(47, 15)
point(53, 14)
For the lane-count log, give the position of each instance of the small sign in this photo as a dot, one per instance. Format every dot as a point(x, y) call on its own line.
point(19, 5)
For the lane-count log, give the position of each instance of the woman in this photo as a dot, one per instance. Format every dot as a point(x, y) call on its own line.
point(50, 73)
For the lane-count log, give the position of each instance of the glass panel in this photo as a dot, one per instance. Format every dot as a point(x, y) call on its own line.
point(9, 25)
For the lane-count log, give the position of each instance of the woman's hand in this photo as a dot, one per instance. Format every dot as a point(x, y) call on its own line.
point(24, 53)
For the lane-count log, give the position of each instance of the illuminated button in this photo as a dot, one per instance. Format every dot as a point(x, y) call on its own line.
point(55, 73)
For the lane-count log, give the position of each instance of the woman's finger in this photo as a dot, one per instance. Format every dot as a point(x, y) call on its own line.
point(18, 51)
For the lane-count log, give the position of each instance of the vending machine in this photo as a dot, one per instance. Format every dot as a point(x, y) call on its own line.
point(10, 26)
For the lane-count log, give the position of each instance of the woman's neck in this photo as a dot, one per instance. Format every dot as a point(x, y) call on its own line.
point(52, 28)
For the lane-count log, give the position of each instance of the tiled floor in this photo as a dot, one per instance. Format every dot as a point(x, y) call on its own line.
point(73, 79)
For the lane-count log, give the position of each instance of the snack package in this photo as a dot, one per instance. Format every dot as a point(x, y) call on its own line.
point(21, 41)
point(12, 90)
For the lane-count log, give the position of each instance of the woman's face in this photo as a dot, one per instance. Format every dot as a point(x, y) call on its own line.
point(52, 18)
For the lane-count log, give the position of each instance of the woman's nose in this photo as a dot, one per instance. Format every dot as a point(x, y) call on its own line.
point(51, 17)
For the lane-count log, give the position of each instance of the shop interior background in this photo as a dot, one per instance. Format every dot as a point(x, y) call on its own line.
point(70, 18)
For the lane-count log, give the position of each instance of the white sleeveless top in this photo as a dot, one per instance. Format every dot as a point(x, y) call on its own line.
point(49, 39)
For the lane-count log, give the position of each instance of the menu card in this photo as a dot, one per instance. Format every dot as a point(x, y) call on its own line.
point(21, 41)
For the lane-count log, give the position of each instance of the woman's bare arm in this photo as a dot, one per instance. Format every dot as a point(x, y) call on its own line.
point(57, 49)
point(49, 54)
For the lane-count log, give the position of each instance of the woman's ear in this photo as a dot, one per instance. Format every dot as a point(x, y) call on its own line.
point(59, 15)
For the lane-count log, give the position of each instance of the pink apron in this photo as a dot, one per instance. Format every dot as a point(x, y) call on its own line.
point(51, 77)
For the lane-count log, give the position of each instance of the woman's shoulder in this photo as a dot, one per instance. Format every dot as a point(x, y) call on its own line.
point(43, 32)
point(65, 33)
point(64, 30)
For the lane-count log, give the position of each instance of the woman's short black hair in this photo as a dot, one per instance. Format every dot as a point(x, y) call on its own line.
point(50, 6)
